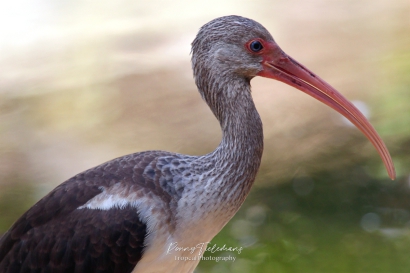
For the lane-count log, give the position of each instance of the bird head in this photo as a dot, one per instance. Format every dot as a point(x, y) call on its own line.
point(222, 48)
point(231, 50)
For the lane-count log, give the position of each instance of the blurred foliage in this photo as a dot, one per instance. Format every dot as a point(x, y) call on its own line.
point(393, 106)
point(318, 224)
point(15, 199)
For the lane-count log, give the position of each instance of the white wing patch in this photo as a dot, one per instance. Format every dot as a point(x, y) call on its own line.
point(108, 202)
point(108, 199)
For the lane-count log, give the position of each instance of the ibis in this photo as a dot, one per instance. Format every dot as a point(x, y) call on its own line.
point(138, 213)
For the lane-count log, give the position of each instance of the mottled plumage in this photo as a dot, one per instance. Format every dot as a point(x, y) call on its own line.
point(123, 215)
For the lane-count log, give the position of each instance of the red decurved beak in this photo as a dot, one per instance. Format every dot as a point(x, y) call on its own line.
point(279, 66)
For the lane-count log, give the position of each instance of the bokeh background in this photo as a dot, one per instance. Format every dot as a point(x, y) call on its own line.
point(82, 82)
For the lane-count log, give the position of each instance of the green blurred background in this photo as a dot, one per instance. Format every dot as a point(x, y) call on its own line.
point(83, 82)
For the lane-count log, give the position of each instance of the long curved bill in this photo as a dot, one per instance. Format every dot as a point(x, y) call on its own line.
point(279, 66)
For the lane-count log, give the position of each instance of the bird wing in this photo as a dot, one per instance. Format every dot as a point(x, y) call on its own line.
point(56, 235)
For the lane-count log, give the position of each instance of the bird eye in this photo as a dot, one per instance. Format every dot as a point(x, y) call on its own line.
point(256, 46)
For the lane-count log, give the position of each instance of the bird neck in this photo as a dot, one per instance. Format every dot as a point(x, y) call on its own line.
point(238, 156)
point(242, 133)
point(226, 175)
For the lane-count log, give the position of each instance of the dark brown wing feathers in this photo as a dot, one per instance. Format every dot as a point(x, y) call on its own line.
point(55, 236)
point(85, 241)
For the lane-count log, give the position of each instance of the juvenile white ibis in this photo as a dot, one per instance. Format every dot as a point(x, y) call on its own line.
point(128, 214)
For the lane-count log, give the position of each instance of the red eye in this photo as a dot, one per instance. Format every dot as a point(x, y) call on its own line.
point(255, 46)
